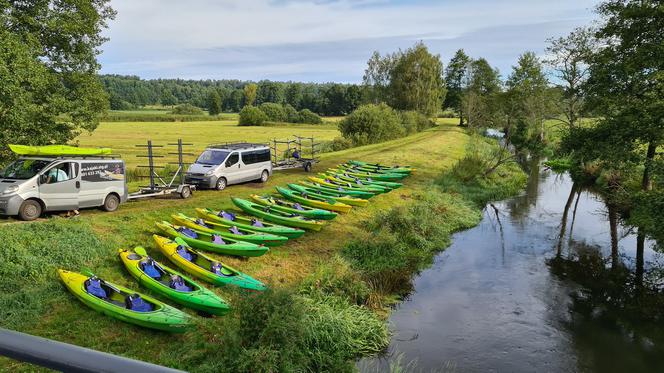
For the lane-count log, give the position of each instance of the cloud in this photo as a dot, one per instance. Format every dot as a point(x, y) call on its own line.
point(320, 40)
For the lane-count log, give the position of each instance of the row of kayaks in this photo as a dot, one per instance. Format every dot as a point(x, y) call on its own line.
point(262, 222)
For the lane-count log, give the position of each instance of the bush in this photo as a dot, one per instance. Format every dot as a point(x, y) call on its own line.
point(274, 112)
point(338, 143)
point(336, 278)
point(187, 109)
point(372, 123)
point(292, 116)
point(308, 116)
point(414, 121)
point(251, 116)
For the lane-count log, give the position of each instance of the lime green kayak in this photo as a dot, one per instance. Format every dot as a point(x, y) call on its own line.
point(336, 196)
point(331, 181)
point(204, 267)
point(311, 200)
point(212, 242)
point(289, 207)
point(373, 175)
point(229, 231)
point(170, 283)
point(125, 304)
point(267, 213)
point(248, 223)
point(52, 150)
point(365, 180)
point(377, 167)
point(337, 189)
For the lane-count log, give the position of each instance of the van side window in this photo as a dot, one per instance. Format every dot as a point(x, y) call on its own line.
point(263, 155)
point(232, 159)
point(256, 156)
point(61, 172)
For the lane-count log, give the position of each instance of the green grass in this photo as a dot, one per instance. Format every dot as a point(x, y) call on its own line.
point(327, 294)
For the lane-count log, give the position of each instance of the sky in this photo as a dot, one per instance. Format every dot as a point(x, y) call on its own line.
point(322, 40)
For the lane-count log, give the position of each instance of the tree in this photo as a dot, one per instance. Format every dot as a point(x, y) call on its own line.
point(214, 102)
point(48, 73)
point(293, 95)
point(250, 94)
point(372, 123)
point(235, 101)
point(528, 93)
point(568, 57)
point(334, 100)
point(416, 81)
point(377, 76)
point(268, 91)
point(353, 98)
point(481, 93)
point(251, 116)
point(626, 87)
point(456, 82)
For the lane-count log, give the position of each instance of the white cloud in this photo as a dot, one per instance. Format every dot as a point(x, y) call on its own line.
point(171, 37)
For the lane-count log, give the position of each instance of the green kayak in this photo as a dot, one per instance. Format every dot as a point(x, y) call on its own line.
point(311, 200)
point(267, 213)
point(52, 150)
point(379, 167)
point(170, 283)
point(212, 242)
point(248, 223)
point(125, 304)
point(229, 231)
point(373, 175)
point(328, 180)
point(336, 196)
point(204, 267)
point(290, 207)
point(365, 180)
point(338, 189)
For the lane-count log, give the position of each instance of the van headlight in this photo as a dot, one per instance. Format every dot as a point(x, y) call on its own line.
point(209, 173)
point(11, 189)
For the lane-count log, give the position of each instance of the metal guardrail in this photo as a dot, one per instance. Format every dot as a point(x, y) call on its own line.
point(68, 358)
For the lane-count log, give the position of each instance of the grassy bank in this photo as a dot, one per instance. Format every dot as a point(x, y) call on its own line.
point(326, 286)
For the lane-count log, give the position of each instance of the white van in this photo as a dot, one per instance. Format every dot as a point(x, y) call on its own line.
point(32, 185)
point(232, 163)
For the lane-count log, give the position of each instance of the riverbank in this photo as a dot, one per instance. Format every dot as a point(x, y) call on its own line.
point(327, 298)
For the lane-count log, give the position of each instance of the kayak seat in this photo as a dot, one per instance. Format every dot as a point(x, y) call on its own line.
point(234, 230)
point(201, 222)
point(183, 252)
point(136, 303)
point(176, 282)
point(257, 223)
point(93, 286)
point(227, 215)
point(297, 206)
point(216, 239)
point(149, 267)
point(219, 269)
point(188, 232)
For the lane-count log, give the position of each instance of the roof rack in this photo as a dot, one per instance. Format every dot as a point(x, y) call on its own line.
point(73, 156)
point(237, 145)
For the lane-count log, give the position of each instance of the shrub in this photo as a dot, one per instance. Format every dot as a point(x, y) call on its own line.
point(274, 112)
point(372, 123)
point(251, 116)
point(338, 143)
point(308, 116)
point(414, 121)
point(187, 109)
point(336, 278)
point(292, 116)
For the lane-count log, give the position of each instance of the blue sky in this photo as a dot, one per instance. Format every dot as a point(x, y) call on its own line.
point(321, 40)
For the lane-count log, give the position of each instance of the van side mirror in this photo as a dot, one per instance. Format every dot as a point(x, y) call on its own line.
point(228, 163)
point(43, 178)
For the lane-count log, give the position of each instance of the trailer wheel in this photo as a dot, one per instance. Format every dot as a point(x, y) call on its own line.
point(185, 192)
point(111, 203)
point(307, 166)
point(30, 210)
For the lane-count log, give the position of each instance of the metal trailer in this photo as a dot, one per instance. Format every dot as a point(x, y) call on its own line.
point(158, 186)
point(291, 159)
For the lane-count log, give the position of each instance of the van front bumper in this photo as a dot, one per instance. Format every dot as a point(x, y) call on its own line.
point(10, 205)
point(201, 181)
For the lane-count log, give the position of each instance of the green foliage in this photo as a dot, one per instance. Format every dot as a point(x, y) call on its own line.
point(165, 117)
point(187, 109)
point(479, 102)
point(414, 121)
point(308, 116)
point(292, 116)
point(50, 89)
point(372, 123)
point(250, 92)
point(252, 116)
point(274, 112)
point(214, 103)
point(336, 144)
point(456, 78)
point(268, 91)
point(336, 278)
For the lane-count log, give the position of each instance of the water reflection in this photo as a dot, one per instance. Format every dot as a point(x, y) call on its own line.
point(549, 281)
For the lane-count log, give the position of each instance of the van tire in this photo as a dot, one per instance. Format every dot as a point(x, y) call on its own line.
point(221, 183)
point(111, 203)
point(30, 210)
point(264, 176)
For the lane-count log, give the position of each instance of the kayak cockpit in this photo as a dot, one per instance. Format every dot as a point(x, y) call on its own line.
point(107, 293)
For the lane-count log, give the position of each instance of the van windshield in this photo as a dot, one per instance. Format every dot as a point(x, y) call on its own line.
point(23, 169)
point(212, 157)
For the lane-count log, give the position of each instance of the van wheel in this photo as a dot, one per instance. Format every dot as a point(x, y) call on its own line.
point(221, 183)
point(264, 176)
point(111, 203)
point(307, 167)
point(29, 210)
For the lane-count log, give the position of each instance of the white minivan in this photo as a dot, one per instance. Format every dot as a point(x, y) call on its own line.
point(232, 163)
point(32, 185)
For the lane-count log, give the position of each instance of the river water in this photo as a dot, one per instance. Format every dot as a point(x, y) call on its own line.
point(526, 291)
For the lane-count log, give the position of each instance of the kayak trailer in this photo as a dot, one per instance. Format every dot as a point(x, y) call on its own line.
point(159, 186)
point(290, 153)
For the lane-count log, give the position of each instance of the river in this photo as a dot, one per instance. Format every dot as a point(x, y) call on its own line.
point(538, 286)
